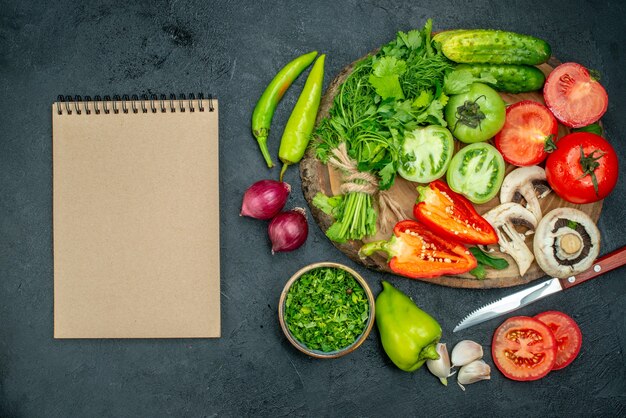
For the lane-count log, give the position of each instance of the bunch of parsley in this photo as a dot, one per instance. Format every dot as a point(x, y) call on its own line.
point(396, 90)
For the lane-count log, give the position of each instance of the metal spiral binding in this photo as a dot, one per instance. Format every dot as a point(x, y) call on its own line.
point(153, 103)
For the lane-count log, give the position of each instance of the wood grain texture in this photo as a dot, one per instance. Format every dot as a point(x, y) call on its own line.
point(602, 265)
point(317, 177)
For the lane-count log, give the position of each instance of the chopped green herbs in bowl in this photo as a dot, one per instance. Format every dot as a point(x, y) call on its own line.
point(326, 310)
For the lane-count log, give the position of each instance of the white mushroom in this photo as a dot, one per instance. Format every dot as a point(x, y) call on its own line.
point(526, 184)
point(504, 219)
point(566, 242)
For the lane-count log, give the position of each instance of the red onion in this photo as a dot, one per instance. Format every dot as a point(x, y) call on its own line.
point(264, 199)
point(288, 230)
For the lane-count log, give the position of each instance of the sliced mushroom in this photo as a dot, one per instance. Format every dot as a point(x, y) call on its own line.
point(526, 184)
point(566, 242)
point(504, 219)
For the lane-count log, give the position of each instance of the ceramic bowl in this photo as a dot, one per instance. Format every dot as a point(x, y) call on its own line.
point(318, 353)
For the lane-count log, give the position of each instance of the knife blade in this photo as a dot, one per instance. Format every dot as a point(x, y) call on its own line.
point(539, 291)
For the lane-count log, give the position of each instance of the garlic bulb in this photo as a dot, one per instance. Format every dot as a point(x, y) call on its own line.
point(473, 372)
point(465, 352)
point(440, 367)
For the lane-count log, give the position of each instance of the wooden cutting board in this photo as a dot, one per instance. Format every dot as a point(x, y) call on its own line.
point(318, 177)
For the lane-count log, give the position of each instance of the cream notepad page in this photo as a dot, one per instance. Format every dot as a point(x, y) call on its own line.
point(136, 222)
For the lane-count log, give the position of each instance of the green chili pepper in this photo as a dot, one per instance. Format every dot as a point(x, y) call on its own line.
point(409, 335)
point(264, 109)
point(302, 120)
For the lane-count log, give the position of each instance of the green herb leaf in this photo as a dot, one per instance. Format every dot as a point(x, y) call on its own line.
point(428, 28)
point(412, 39)
point(572, 224)
point(403, 111)
point(326, 204)
point(392, 49)
point(594, 128)
point(387, 86)
point(487, 260)
point(479, 272)
point(423, 99)
point(385, 77)
point(334, 233)
point(459, 81)
point(433, 115)
point(387, 175)
point(387, 66)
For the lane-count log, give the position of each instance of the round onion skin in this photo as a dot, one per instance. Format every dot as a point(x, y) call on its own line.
point(264, 199)
point(288, 230)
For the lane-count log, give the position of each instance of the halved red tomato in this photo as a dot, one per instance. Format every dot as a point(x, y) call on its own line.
point(527, 135)
point(523, 348)
point(567, 334)
point(574, 96)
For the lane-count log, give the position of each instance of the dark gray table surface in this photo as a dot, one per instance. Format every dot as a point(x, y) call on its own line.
point(233, 49)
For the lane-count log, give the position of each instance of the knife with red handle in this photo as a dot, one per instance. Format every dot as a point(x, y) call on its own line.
point(532, 294)
point(603, 264)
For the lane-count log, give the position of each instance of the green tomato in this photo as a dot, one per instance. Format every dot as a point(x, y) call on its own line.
point(477, 115)
point(476, 171)
point(426, 154)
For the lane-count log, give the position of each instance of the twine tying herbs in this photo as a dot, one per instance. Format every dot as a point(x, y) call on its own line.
point(355, 181)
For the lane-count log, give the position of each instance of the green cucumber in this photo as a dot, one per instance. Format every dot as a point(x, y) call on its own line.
point(492, 47)
point(441, 36)
point(510, 78)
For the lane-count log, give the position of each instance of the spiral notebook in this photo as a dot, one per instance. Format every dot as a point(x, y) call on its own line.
point(136, 217)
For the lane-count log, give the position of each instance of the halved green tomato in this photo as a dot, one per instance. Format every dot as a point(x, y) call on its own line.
point(426, 154)
point(476, 172)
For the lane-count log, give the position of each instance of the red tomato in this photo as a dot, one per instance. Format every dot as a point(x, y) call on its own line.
point(567, 334)
point(450, 215)
point(523, 348)
point(575, 98)
point(528, 127)
point(582, 179)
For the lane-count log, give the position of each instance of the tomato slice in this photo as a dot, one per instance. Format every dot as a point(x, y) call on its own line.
point(426, 154)
point(523, 348)
point(568, 337)
point(476, 171)
point(450, 215)
point(575, 98)
point(529, 126)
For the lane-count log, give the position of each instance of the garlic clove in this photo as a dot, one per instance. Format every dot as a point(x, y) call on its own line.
point(465, 352)
point(471, 373)
point(441, 366)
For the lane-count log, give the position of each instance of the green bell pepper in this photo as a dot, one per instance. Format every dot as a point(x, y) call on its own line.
point(409, 335)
